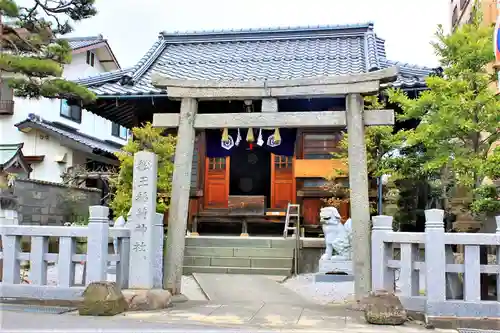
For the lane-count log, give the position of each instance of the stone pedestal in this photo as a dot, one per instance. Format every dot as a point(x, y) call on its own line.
point(334, 270)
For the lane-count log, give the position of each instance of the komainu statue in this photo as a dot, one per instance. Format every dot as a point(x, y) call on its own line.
point(338, 236)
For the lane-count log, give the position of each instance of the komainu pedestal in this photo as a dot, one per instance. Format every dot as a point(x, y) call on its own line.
point(335, 264)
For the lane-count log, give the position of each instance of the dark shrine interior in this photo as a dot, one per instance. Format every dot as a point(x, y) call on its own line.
point(250, 171)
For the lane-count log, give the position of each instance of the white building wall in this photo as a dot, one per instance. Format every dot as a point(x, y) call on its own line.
point(91, 124)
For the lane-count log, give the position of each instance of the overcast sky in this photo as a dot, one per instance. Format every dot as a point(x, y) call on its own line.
point(132, 26)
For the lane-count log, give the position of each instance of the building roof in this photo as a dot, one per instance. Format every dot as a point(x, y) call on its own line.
point(79, 42)
point(11, 157)
point(72, 137)
point(257, 54)
point(97, 43)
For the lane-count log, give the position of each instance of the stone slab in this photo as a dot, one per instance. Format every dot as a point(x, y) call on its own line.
point(242, 313)
point(319, 277)
point(276, 315)
point(142, 238)
point(327, 266)
point(226, 288)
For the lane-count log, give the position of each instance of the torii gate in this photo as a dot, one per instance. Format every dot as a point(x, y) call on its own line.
point(187, 121)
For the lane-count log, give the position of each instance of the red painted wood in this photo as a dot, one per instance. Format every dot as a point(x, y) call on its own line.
point(283, 189)
point(216, 182)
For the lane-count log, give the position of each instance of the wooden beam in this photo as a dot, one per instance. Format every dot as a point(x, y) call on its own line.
point(365, 83)
point(274, 119)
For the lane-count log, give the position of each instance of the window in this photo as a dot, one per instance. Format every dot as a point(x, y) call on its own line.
point(319, 146)
point(283, 162)
point(118, 131)
point(90, 58)
point(71, 112)
point(217, 163)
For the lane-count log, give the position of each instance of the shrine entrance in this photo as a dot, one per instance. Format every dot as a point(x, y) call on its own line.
point(250, 172)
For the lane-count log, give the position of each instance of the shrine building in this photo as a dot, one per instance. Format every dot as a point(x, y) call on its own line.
point(246, 175)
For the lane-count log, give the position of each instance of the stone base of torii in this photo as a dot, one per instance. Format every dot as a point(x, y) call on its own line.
point(354, 87)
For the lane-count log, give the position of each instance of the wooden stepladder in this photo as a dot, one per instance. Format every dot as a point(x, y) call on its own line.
point(293, 210)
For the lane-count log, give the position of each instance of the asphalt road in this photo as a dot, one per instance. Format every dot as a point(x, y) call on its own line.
point(11, 321)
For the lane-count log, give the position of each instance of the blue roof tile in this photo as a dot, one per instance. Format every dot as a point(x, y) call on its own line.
point(259, 54)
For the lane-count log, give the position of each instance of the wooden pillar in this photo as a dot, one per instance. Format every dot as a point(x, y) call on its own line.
point(179, 203)
point(360, 205)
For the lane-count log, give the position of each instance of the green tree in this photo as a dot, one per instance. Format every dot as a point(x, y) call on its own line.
point(32, 58)
point(459, 116)
point(146, 138)
point(379, 140)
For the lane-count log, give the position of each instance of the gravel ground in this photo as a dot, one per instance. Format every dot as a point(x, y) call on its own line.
point(321, 293)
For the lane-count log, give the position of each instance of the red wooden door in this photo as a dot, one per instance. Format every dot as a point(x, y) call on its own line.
point(216, 182)
point(282, 181)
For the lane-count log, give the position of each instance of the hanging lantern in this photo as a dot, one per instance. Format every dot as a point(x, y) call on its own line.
point(225, 135)
point(250, 137)
point(277, 136)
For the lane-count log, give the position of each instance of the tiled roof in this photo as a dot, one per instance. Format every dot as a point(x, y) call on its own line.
point(8, 152)
point(52, 129)
point(11, 155)
point(79, 42)
point(274, 53)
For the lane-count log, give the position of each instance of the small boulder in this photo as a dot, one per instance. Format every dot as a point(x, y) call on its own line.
point(384, 308)
point(147, 300)
point(102, 299)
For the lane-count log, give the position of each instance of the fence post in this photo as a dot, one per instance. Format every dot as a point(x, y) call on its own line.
point(10, 268)
point(97, 244)
point(497, 218)
point(382, 276)
point(435, 256)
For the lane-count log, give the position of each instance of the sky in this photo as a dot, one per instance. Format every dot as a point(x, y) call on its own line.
point(132, 26)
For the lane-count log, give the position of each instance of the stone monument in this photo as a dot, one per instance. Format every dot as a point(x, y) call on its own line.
point(336, 263)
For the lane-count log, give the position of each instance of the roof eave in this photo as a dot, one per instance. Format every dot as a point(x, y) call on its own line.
point(70, 142)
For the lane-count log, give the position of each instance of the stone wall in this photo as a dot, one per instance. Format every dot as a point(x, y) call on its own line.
point(44, 203)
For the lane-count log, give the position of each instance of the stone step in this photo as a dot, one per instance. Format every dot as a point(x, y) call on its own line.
point(244, 252)
point(237, 242)
point(238, 262)
point(187, 270)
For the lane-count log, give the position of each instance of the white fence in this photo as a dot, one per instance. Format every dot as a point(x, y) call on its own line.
point(97, 258)
point(446, 279)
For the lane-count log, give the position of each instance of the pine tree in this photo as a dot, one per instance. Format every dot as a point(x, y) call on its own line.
point(33, 54)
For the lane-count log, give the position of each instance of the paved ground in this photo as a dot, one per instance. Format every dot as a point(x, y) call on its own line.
point(261, 302)
point(270, 316)
point(227, 288)
point(36, 322)
point(238, 303)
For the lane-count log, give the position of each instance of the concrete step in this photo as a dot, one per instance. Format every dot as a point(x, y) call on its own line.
point(238, 242)
point(279, 263)
point(187, 270)
point(244, 252)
